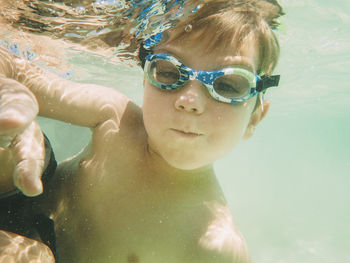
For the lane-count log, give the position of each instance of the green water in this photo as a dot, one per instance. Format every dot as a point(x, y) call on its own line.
point(288, 187)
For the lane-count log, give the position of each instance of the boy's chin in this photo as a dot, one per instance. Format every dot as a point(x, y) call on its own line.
point(189, 165)
point(186, 161)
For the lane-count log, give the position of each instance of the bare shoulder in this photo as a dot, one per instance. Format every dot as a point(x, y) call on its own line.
point(221, 241)
point(16, 248)
point(124, 130)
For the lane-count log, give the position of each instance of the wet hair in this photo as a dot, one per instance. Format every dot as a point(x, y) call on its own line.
point(235, 22)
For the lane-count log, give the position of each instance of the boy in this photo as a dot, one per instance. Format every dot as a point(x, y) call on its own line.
point(144, 189)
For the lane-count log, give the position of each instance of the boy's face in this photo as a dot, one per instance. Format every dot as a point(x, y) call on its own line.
point(187, 127)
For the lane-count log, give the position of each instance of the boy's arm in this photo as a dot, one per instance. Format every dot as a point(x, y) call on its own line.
point(80, 104)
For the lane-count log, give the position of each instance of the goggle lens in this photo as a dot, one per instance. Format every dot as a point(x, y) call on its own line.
point(164, 72)
point(231, 86)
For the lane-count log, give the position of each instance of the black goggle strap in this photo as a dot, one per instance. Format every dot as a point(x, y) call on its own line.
point(266, 82)
point(143, 53)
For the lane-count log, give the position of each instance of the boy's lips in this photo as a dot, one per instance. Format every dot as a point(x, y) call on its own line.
point(188, 134)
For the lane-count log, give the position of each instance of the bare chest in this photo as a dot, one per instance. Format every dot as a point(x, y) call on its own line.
point(127, 218)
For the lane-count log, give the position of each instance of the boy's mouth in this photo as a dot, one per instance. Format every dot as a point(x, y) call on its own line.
point(187, 134)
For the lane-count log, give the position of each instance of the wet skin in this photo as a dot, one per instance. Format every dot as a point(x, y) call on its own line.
point(144, 189)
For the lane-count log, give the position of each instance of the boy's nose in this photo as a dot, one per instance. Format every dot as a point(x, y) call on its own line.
point(191, 98)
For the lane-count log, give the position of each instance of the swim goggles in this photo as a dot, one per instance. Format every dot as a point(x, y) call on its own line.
point(229, 85)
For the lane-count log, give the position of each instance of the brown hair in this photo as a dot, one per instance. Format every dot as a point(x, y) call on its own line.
point(236, 21)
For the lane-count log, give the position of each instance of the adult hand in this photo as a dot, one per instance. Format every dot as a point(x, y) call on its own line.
point(22, 149)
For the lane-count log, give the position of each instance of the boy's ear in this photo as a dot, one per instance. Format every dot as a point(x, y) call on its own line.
point(257, 116)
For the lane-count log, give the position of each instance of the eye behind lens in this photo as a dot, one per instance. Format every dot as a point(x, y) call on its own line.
point(164, 72)
point(232, 86)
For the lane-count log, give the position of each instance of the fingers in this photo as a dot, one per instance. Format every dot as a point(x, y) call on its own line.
point(28, 150)
point(18, 108)
point(18, 131)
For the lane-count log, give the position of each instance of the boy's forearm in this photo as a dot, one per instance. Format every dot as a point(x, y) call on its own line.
point(61, 99)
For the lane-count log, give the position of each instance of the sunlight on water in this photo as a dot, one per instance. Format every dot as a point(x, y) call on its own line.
point(288, 186)
point(111, 25)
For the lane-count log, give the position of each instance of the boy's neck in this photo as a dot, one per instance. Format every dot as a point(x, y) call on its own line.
point(161, 168)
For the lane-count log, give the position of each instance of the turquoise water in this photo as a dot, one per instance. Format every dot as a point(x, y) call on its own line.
point(288, 186)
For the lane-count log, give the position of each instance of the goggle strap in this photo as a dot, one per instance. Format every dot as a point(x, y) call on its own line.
point(143, 53)
point(266, 82)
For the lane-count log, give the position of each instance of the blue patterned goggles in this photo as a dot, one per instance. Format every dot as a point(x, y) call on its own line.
point(229, 85)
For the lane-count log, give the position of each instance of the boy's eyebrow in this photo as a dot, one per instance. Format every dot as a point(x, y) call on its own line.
point(239, 61)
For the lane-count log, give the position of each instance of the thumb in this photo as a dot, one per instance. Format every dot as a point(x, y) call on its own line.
point(18, 108)
point(29, 154)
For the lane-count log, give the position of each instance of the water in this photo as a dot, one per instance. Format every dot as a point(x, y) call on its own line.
point(288, 186)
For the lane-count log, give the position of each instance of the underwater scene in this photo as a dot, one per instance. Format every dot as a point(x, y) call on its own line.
point(288, 186)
